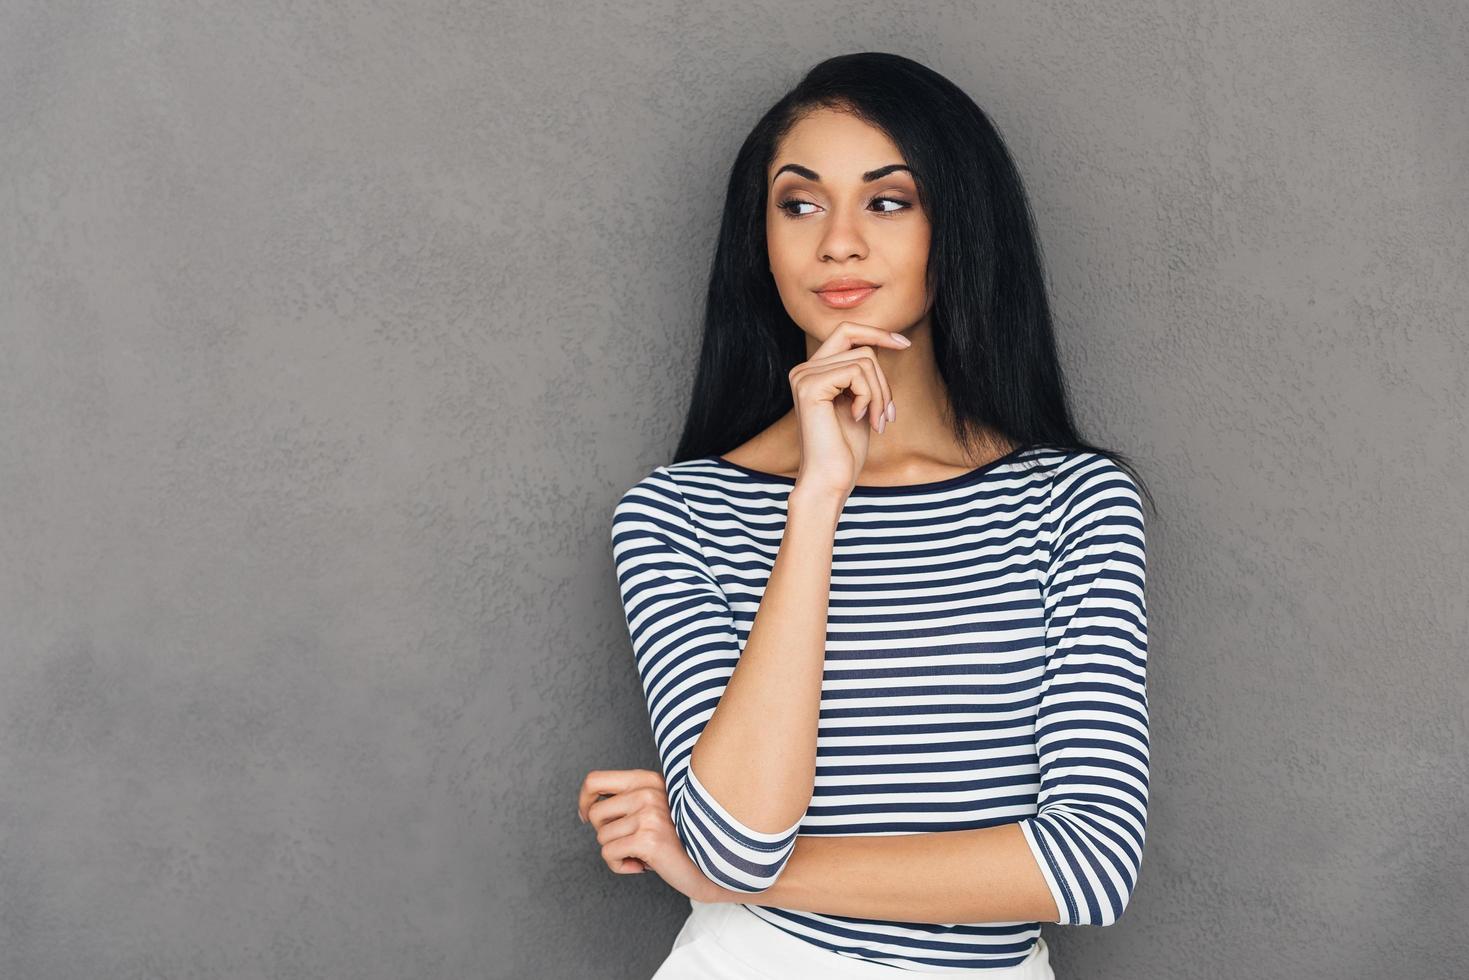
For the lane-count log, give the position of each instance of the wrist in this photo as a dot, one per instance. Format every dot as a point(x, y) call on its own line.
point(816, 501)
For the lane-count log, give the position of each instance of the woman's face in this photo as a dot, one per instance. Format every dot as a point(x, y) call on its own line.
point(825, 221)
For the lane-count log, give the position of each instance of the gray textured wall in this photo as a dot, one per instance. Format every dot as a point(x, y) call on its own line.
point(307, 458)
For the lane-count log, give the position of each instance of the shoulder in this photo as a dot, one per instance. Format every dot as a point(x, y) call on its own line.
point(653, 526)
point(1096, 516)
point(670, 481)
point(1083, 476)
point(1088, 487)
point(663, 496)
point(655, 494)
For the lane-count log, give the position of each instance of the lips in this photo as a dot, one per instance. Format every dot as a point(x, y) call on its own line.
point(844, 294)
point(844, 284)
point(845, 298)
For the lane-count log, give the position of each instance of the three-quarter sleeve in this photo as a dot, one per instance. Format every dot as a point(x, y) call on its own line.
point(1092, 720)
point(685, 646)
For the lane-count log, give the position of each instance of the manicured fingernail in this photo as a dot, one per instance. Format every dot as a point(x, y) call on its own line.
point(882, 422)
point(892, 412)
point(902, 340)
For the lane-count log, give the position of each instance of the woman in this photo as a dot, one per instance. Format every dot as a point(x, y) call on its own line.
point(897, 680)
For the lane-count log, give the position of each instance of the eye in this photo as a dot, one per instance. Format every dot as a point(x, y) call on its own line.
point(790, 204)
point(903, 205)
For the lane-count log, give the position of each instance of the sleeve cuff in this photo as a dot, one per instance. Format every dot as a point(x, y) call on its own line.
point(1041, 851)
point(730, 852)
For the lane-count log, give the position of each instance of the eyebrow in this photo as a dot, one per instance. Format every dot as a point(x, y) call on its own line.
point(867, 178)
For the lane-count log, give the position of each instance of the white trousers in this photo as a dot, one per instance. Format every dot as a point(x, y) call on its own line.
point(726, 941)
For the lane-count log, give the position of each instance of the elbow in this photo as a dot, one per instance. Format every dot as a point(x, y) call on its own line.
point(729, 852)
point(1089, 905)
point(1106, 893)
point(1109, 912)
point(731, 859)
point(1091, 865)
point(1117, 863)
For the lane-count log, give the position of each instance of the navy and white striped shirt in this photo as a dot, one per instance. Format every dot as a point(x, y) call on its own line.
point(985, 664)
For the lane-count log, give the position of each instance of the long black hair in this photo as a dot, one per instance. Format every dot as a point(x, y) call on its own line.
point(991, 321)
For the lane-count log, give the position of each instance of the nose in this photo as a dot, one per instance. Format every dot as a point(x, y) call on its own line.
point(843, 239)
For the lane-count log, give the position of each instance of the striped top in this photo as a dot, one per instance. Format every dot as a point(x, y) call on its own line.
point(986, 655)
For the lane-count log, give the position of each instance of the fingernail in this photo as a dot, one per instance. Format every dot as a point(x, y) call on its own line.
point(882, 422)
point(902, 340)
point(892, 412)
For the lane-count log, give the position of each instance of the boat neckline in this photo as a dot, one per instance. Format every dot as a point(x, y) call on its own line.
point(870, 488)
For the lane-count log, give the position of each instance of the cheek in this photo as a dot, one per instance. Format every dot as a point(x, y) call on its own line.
point(780, 261)
point(914, 263)
point(916, 250)
point(917, 266)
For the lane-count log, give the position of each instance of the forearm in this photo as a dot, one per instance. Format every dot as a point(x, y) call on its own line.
point(757, 753)
point(982, 875)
